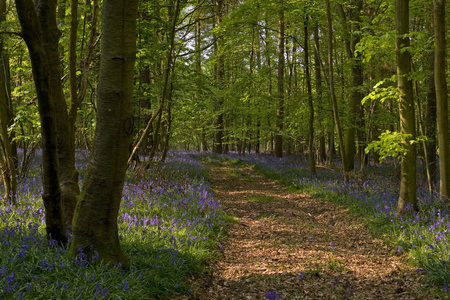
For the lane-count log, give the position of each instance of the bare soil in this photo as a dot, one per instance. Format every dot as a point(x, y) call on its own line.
point(290, 246)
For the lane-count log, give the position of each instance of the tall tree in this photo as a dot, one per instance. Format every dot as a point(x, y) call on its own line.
point(68, 175)
point(408, 183)
point(47, 41)
point(352, 36)
point(29, 17)
point(333, 93)
point(312, 161)
point(441, 97)
point(218, 138)
point(280, 103)
point(95, 221)
point(7, 165)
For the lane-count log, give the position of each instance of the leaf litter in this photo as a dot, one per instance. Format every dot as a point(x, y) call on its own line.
point(298, 247)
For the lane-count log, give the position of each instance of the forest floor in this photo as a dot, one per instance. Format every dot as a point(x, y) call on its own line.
point(287, 245)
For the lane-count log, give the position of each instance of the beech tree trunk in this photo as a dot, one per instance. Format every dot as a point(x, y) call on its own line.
point(333, 95)
point(68, 175)
point(95, 222)
point(441, 97)
point(218, 137)
point(318, 85)
point(408, 183)
point(430, 125)
point(352, 38)
point(7, 165)
point(312, 161)
point(280, 104)
point(32, 34)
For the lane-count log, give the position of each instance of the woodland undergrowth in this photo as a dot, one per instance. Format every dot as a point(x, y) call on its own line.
point(169, 225)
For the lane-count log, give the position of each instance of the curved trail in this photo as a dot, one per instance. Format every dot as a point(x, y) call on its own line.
point(291, 246)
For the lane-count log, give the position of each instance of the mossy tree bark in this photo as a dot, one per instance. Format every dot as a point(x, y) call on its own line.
point(95, 221)
point(408, 183)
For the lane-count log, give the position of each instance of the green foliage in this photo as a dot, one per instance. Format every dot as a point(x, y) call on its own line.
point(382, 94)
point(391, 144)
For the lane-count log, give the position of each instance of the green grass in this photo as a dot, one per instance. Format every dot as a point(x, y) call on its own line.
point(170, 228)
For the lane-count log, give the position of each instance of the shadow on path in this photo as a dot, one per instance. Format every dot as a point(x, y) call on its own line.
point(291, 246)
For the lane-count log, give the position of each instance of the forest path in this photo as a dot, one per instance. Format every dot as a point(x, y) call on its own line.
point(291, 246)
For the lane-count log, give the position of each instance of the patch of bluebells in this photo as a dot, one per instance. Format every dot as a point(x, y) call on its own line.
point(165, 222)
point(425, 234)
point(272, 295)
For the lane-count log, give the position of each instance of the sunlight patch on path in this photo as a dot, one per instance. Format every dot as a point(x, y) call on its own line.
point(300, 247)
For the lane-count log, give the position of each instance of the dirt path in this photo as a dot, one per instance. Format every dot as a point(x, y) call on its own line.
point(290, 246)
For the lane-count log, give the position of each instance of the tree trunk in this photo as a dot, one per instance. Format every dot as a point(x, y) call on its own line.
point(95, 221)
point(8, 166)
point(318, 85)
point(32, 34)
point(280, 103)
point(312, 161)
point(430, 125)
point(85, 66)
point(441, 97)
point(167, 84)
point(352, 37)
point(333, 95)
point(408, 183)
point(68, 175)
point(218, 137)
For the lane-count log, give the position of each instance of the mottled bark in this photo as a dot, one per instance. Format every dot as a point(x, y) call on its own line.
point(95, 222)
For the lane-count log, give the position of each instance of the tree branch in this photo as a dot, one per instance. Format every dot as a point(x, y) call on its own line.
point(16, 33)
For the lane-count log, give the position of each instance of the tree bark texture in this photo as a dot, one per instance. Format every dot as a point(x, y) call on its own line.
point(408, 183)
point(441, 97)
point(95, 221)
point(68, 175)
point(32, 34)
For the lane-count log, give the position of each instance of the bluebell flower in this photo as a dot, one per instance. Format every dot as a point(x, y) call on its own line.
point(272, 295)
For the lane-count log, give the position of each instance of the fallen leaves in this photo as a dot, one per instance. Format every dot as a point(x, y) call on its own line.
point(298, 247)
